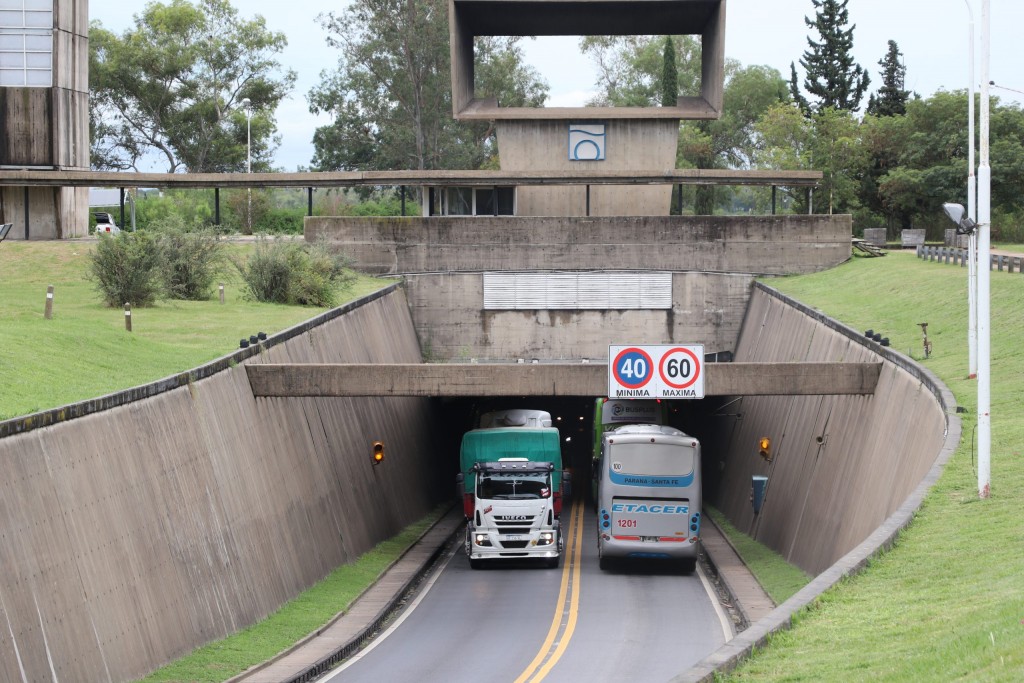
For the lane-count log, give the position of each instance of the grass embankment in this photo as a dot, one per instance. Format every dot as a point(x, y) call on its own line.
point(295, 620)
point(780, 579)
point(947, 603)
point(84, 351)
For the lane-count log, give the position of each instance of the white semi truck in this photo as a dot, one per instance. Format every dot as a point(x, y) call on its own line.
point(514, 513)
point(511, 485)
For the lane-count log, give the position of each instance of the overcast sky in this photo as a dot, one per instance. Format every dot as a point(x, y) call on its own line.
point(931, 34)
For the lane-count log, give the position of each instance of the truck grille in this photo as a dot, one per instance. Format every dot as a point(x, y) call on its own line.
point(510, 524)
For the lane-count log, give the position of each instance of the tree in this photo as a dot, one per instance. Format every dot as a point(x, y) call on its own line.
point(730, 140)
point(390, 95)
point(892, 98)
point(828, 141)
point(173, 85)
point(837, 151)
point(831, 75)
point(884, 138)
point(669, 75)
point(630, 69)
point(930, 148)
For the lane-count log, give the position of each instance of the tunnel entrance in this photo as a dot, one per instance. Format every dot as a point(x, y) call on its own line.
point(574, 418)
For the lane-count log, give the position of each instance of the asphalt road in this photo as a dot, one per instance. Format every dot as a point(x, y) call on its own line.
point(523, 622)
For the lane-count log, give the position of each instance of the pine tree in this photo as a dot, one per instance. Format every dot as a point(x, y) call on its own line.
point(830, 72)
point(891, 99)
point(669, 75)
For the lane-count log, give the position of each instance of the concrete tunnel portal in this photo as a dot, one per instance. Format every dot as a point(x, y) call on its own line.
point(574, 418)
point(463, 392)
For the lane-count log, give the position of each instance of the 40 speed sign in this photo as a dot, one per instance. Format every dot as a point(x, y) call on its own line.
point(664, 371)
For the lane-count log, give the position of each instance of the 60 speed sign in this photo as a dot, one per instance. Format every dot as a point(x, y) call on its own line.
point(665, 371)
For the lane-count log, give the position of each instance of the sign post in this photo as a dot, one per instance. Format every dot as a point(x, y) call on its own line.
point(663, 371)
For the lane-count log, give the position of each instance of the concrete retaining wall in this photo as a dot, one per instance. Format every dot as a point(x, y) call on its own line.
point(768, 245)
point(841, 465)
point(145, 528)
point(448, 311)
point(712, 259)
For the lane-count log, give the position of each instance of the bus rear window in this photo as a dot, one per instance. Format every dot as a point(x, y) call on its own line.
point(650, 459)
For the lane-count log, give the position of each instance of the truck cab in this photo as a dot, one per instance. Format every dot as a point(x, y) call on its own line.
point(513, 512)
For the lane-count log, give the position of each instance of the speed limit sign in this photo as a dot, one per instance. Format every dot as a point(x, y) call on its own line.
point(679, 368)
point(664, 371)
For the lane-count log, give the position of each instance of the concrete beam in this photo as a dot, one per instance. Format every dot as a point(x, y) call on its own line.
point(546, 379)
point(682, 176)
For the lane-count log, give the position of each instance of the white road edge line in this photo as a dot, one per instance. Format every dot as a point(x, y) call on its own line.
point(398, 622)
point(723, 618)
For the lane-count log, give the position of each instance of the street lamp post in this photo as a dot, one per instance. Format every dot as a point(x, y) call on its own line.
point(972, 212)
point(984, 268)
point(247, 103)
point(981, 228)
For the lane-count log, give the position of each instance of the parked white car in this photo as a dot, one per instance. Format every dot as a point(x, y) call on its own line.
point(105, 224)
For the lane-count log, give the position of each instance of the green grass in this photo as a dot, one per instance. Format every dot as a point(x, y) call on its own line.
point(947, 602)
point(35, 372)
point(780, 579)
point(296, 619)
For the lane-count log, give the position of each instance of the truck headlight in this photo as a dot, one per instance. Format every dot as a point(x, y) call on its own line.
point(546, 538)
point(481, 539)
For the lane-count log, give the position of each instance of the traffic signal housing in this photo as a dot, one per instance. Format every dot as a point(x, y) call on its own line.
point(377, 452)
point(764, 448)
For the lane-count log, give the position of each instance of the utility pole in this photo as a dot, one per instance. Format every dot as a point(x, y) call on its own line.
point(972, 212)
point(984, 269)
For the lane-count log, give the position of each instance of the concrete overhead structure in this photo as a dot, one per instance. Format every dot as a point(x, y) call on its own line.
point(588, 138)
point(44, 113)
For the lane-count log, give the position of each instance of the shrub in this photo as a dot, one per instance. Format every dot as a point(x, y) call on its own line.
point(191, 257)
point(125, 269)
point(289, 272)
point(282, 221)
point(194, 207)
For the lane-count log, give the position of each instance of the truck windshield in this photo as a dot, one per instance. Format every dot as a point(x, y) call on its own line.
point(513, 486)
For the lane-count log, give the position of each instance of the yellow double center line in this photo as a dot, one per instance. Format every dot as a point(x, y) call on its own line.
point(564, 622)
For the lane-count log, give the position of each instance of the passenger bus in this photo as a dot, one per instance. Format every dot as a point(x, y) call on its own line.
point(649, 496)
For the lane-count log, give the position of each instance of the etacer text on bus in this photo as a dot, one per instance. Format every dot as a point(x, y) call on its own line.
point(653, 509)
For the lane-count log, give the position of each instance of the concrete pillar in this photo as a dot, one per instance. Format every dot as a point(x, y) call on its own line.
point(44, 125)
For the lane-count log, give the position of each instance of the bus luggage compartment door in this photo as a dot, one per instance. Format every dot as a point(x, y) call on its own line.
point(646, 519)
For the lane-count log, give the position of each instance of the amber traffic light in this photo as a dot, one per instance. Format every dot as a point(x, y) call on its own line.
point(764, 447)
point(378, 452)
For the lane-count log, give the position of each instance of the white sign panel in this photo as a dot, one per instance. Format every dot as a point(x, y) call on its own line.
point(664, 371)
point(586, 142)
